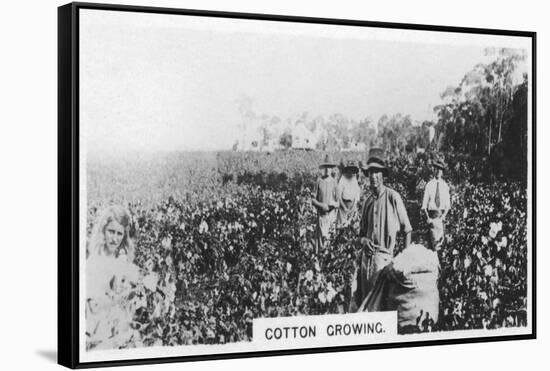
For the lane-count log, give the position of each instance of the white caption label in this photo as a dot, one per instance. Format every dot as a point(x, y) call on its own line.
point(325, 330)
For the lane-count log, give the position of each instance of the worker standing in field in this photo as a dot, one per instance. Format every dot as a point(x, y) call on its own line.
point(436, 204)
point(325, 202)
point(348, 194)
point(382, 216)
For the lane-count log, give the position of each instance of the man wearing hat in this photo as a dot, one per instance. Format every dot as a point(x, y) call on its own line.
point(325, 201)
point(436, 204)
point(382, 216)
point(348, 194)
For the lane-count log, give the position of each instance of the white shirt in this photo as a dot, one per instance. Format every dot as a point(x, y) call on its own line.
point(429, 195)
point(348, 189)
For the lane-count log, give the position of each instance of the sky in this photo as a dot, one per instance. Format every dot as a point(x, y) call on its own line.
point(153, 82)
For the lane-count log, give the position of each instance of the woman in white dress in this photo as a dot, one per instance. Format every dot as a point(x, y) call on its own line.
point(110, 275)
point(348, 193)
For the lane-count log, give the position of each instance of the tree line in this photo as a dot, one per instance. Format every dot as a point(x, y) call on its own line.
point(483, 116)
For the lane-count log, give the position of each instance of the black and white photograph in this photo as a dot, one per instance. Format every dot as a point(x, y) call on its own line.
point(252, 185)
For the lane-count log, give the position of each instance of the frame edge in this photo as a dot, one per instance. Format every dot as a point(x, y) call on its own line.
point(67, 263)
point(68, 187)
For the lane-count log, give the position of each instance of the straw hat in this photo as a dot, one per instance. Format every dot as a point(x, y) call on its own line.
point(328, 162)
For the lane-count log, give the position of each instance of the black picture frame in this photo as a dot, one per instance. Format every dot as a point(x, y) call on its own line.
point(68, 180)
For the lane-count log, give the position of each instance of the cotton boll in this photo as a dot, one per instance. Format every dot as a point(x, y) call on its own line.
point(166, 243)
point(504, 241)
point(331, 293)
point(150, 281)
point(203, 227)
point(317, 267)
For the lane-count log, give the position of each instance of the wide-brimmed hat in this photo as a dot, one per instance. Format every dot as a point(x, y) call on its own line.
point(328, 162)
point(376, 160)
point(439, 163)
point(351, 166)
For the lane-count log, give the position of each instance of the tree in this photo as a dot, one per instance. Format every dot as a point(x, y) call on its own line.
point(476, 113)
point(516, 137)
point(486, 114)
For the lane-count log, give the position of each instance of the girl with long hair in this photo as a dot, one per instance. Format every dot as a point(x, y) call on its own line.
point(111, 234)
point(110, 277)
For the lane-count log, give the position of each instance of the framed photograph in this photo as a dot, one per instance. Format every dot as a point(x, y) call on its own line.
point(242, 185)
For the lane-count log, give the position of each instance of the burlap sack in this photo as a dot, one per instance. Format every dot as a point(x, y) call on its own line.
point(409, 286)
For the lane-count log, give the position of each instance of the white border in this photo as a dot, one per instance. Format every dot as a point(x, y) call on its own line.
point(244, 347)
point(266, 27)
